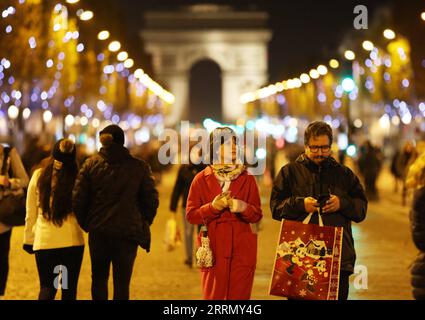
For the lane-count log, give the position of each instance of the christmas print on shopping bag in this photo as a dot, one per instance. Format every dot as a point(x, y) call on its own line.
point(307, 262)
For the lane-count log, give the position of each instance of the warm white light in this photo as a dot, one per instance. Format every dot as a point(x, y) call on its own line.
point(122, 56)
point(304, 78)
point(103, 35)
point(138, 73)
point(349, 55)
point(297, 82)
point(358, 123)
point(13, 112)
point(314, 74)
point(86, 15)
point(368, 45)
point(47, 116)
point(72, 1)
point(333, 63)
point(84, 121)
point(95, 123)
point(322, 70)
point(128, 63)
point(389, 34)
point(423, 16)
point(26, 113)
point(114, 46)
point(69, 120)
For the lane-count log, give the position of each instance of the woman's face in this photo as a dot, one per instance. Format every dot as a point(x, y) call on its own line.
point(228, 152)
point(57, 165)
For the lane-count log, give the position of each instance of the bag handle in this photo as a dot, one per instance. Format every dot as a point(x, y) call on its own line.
point(308, 218)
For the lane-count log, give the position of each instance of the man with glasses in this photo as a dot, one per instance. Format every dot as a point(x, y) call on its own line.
point(316, 180)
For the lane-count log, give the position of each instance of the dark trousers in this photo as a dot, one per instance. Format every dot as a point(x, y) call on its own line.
point(48, 266)
point(4, 259)
point(344, 285)
point(105, 250)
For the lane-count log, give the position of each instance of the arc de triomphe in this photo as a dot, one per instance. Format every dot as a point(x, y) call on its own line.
point(235, 40)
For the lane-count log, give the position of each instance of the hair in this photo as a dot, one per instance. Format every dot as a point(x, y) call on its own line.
point(318, 128)
point(106, 139)
point(215, 143)
point(56, 204)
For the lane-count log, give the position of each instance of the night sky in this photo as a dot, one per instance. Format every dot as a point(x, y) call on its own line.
point(305, 32)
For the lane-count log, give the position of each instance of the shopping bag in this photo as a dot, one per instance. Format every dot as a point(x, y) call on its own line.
point(308, 260)
point(204, 255)
point(172, 237)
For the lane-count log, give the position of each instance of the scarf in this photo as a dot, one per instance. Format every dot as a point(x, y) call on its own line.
point(225, 173)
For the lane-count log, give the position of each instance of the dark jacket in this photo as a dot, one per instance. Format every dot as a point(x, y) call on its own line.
point(417, 218)
point(184, 179)
point(300, 179)
point(114, 194)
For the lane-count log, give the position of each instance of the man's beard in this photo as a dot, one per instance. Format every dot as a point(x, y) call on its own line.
point(319, 159)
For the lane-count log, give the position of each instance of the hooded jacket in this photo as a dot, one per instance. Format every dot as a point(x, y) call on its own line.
point(115, 195)
point(303, 178)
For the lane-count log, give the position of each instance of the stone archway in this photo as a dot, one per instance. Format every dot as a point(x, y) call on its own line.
point(205, 92)
point(235, 40)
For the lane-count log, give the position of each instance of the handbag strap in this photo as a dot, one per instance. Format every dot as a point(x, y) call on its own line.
point(308, 218)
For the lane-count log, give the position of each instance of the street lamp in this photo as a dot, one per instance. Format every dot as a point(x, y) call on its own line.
point(86, 15)
point(368, 45)
point(333, 63)
point(122, 56)
point(349, 55)
point(423, 16)
point(13, 112)
point(103, 35)
point(72, 1)
point(304, 78)
point(322, 70)
point(128, 63)
point(114, 46)
point(389, 34)
point(314, 74)
point(47, 116)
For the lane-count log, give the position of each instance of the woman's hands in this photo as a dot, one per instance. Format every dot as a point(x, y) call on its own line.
point(220, 202)
point(224, 200)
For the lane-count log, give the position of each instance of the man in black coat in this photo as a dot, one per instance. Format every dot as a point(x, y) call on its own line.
point(115, 201)
point(185, 176)
point(314, 175)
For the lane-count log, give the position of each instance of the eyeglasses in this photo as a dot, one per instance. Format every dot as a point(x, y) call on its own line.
point(315, 149)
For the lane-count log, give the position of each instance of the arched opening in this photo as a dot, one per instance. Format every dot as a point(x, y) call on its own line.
point(205, 92)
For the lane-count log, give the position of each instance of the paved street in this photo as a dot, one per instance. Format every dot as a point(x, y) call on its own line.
point(383, 243)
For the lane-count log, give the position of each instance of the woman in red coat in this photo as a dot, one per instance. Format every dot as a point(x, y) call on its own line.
point(225, 198)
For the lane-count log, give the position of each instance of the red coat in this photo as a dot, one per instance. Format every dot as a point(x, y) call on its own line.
point(233, 243)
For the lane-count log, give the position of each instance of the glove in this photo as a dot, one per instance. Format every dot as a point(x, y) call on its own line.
point(220, 202)
point(28, 248)
point(236, 205)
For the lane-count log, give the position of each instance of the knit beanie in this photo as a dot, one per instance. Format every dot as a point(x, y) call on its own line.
point(61, 155)
point(116, 132)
